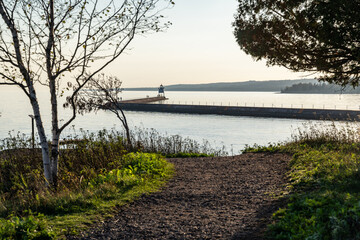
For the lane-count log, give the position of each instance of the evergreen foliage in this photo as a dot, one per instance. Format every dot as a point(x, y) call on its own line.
point(304, 35)
point(319, 88)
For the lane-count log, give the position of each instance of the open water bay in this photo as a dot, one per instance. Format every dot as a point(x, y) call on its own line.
point(232, 132)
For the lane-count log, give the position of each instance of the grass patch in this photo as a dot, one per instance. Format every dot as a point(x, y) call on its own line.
point(97, 174)
point(324, 202)
point(144, 174)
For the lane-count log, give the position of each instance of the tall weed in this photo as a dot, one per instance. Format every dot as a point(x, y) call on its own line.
point(150, 140)
point(317, 133)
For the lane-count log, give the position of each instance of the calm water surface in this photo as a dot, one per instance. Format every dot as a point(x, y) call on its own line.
point(233, 132)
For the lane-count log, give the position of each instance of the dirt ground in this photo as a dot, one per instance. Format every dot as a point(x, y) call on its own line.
point(209, 198)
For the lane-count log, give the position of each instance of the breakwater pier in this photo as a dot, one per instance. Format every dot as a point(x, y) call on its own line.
point(265, 112)
point(146, 100)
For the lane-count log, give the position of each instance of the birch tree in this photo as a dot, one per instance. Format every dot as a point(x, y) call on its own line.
point(103, 92)
point(62, 44)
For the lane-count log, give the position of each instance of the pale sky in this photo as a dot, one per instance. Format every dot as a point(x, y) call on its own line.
point(198, 48)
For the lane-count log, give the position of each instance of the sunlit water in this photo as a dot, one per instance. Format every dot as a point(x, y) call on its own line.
point(232, 132)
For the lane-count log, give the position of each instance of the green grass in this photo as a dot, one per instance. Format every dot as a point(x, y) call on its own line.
point(96, 176)
point(69, 212)
point(324, 201)
point(114, 189)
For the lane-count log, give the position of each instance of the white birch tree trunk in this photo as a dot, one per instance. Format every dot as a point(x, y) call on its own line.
point(55, 159)
point(55, 135)
point(54, 108)
point(41, 131)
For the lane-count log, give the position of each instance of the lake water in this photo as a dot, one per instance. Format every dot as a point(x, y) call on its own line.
point(232, 132)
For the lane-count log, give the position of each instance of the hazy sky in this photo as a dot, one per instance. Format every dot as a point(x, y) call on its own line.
point(198, 48)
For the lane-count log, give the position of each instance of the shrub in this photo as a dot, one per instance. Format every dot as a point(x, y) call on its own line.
point(29, 227)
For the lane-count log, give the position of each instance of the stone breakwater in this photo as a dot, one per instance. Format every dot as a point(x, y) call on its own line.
point(265, 112)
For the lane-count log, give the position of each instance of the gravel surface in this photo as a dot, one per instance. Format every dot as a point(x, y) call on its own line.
point(209, 198)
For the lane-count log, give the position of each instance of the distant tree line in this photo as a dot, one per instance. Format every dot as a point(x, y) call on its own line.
point(260, 86)
point(319, 88)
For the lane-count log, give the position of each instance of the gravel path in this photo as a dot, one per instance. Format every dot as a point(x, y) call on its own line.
point(209, 198)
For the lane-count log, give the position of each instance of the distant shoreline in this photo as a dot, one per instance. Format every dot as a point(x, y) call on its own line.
point(320, 88)
point(299, 86)
point(248, 86)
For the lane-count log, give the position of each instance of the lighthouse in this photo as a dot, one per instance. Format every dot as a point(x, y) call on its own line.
point(161, 91)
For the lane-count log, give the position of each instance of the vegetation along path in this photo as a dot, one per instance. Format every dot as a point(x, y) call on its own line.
point(209, 198)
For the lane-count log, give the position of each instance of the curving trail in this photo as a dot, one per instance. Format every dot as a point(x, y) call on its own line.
point(209, 198)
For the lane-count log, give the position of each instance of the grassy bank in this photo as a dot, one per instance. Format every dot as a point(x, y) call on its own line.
point(97, 175)
point(324, 198)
